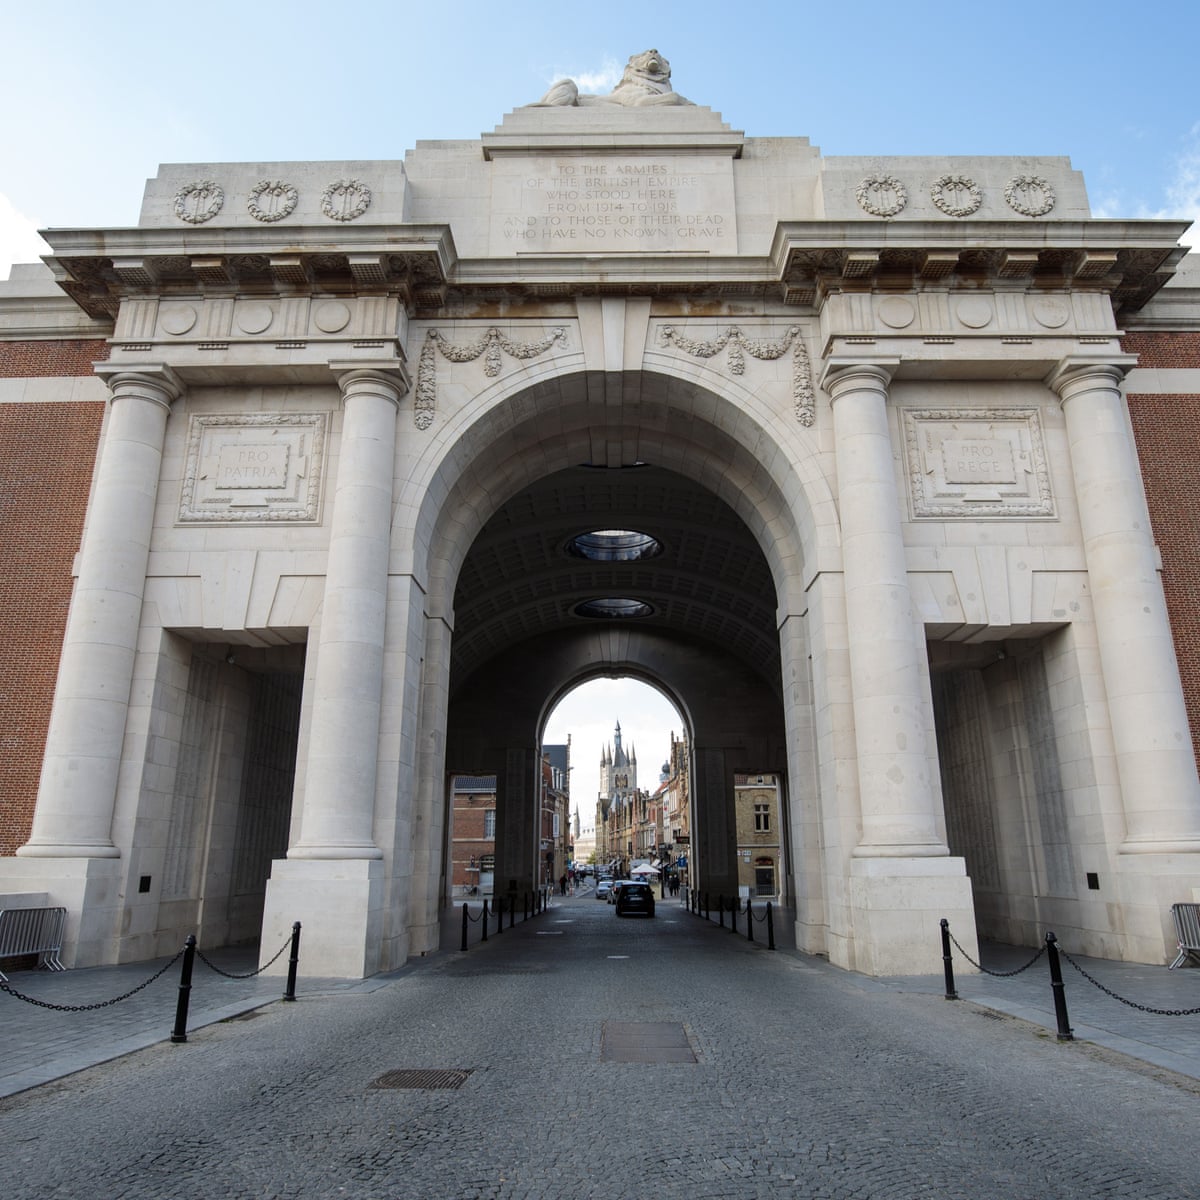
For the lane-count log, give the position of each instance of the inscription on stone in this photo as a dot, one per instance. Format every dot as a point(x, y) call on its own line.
point(581, 205)
point(255, 467)
point(978, 461)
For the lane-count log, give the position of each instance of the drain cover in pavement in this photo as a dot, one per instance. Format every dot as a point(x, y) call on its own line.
point(645, 1042)
point(427, 1080)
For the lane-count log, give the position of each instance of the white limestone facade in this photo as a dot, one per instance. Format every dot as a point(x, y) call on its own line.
point(901, 379)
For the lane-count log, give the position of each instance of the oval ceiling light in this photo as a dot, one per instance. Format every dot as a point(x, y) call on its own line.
point(614, 545)
point(613, 609)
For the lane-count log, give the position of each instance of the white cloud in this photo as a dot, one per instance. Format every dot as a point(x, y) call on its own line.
point(19, 240)
point(595, 82)
point(1181, 200)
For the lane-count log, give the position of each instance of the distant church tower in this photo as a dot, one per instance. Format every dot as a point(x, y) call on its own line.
point(618, 771)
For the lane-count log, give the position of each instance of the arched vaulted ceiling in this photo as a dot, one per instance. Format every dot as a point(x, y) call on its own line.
point(710, 584)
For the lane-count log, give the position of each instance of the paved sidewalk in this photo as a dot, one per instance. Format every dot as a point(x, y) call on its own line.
point(1172, 1042)
point(38, 1045)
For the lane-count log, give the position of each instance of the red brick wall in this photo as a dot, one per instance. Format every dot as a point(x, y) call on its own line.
point(47, 453)
point(22, 360)
point(469, 841)
point(1164, 350)
point(1167, 429)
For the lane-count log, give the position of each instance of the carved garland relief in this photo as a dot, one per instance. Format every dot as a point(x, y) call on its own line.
point(272, 200)
point(492, 346)
point(881, 195)
point(955, 195)
point(738, 346)
point(199, 202)
point(976, 463)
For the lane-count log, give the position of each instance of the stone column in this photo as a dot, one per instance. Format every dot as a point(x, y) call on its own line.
point(332, 880)
point(74, 813)
point(886, 664)
point(901, 877)
point(1151, 736)
point(340, 766)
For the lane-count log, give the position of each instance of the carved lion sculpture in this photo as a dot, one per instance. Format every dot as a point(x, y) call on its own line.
point(647, 80)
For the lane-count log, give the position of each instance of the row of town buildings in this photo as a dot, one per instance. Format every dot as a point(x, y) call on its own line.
point(632, 824)
point(636, 824)
point(476, 823)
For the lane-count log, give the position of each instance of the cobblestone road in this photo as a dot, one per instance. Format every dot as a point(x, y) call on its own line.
point(808, 1082)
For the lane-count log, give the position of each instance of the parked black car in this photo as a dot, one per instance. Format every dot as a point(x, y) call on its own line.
point(635, 898)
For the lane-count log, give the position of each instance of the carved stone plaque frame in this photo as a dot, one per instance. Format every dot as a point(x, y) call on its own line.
point(256, 468)
point(974, 462)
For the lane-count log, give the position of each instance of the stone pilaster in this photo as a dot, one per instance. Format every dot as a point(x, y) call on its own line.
point(74, 813)
point(1151, 735)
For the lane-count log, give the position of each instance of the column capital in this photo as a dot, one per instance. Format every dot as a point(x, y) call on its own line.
point(1079, 372)
point(388, 380)
point(155, 382)
point(843, 374)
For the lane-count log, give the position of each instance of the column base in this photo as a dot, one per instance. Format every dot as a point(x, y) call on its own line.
point(90, 889)
point(896, 908)
point(339, 904)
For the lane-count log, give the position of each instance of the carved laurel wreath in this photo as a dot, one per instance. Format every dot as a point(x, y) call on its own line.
point(881, 195)
point(353, 199)
point(491, 345)
point(1020, 193)
point(278, 191)
point(199, 202)
point(955, 185)
point(739, 345)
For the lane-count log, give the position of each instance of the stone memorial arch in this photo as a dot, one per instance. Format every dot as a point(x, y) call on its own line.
point(867, 416)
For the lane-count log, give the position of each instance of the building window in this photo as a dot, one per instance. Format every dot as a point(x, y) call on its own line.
point(489, 823)
point(762, 818)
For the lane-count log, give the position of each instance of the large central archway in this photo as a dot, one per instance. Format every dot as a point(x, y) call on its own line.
point(709, 483)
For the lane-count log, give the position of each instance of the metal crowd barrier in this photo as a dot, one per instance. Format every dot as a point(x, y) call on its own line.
point(25, 931)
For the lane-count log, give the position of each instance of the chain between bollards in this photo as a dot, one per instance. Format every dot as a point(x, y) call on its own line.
point(179, 1033)
point(294, 962)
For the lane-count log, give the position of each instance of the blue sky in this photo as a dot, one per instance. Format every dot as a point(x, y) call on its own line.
point(95, 96)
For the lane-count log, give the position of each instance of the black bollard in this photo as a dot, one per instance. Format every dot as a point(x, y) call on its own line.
point(179, 1033)
point(512, 910)
point(466, 918)
point(525, 906)
point(707, 907)
point(770, 928)
point(483, 920)
point(294, 962)
point(721, 911)
point(1065, 1032)
point(499, 914)
point(735, 907)
point(947, 964)
point(749, 920)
